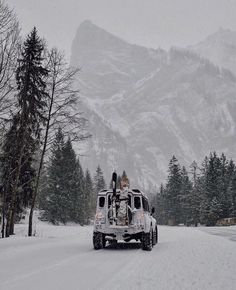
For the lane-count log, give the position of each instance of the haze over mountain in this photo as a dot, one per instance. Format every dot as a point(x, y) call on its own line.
point(220, 48)
point(145, 105)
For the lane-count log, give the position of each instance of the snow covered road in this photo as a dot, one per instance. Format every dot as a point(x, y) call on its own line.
point(63, 258)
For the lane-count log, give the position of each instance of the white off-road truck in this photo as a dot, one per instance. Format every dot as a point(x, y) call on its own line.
point(124, 215)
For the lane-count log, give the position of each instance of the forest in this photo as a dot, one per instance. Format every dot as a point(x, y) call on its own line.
point(202, 195)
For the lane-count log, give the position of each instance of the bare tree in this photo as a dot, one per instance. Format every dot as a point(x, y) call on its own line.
point(9, 48)
point(62, 111)
point(9, 44)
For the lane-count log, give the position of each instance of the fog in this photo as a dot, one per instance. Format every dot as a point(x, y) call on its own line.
point(152, 23)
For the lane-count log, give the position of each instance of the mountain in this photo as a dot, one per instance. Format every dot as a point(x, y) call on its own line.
point(219, 48)
point(145, 105)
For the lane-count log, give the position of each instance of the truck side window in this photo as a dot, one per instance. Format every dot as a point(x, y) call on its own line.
point(137, 203)
point(101, 201)
point(129, 200)
point(109, 201)
point(145, 204)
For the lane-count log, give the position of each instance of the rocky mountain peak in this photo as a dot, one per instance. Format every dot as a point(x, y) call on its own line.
point(219, 48)
point(145, 105)
point(92, 37)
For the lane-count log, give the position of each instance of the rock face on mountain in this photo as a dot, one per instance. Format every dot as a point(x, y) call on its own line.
point(219, 48)
point(145, 105)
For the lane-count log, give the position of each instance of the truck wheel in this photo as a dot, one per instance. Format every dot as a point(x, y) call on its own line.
point(98, 241)
point(155, 236)
point(147, 241)
point(103, 241)
point(112, 242)
point(153, 239)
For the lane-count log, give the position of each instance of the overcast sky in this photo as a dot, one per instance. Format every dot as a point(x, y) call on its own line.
point(153, 23)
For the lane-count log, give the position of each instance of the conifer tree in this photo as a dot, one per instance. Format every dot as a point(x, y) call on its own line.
point(195, 201)
point(123, 174)
point(90, 197)
point(53, 205)
point(185, 197)
point(31, 96)
point(70, 183)
point(99, 182)
point(173, 190)
point(211, 194)
point(65, 199)
point(81, 198)
point(159, 204)
point(232, 195)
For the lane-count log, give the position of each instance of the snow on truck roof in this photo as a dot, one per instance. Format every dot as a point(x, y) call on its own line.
point(134, 191)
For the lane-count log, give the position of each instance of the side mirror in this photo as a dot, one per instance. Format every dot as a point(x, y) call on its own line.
point(153, 210)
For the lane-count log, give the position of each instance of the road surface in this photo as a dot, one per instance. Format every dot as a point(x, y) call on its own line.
point(62, 258)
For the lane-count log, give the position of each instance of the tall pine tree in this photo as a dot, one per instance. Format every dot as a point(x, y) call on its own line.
point(31, 96)
point(99, 182)
point(64, 195)
point(173, 191)
point(91, 197)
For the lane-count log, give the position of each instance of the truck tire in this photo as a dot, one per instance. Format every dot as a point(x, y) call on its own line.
point(155, 236)
point(98, 241)
point(147, 241)
point(103, 241)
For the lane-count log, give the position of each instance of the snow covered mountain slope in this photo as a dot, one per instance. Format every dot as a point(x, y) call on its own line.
point(220, 48)
point(145, 105)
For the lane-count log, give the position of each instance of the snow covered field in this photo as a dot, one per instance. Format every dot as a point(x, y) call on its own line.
point(63, 258)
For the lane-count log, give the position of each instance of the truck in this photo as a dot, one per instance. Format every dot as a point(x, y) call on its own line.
point(124, 215)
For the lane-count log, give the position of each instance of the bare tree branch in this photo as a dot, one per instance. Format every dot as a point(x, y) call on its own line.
point(9, 48)
point(62, 111)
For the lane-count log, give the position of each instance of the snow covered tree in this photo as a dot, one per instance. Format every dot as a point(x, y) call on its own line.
point(72, 182)
point(54, 199)
point(173, 190)
point(90, 197)
point(195, 201)
point(64, 195)
point(80, 197)
point(211, 191)
point(194, 172)
point(185, 197)
point(232, 195)
point(210, 196)
point(8, 164)
point(98, 181)
point(31, 96)
point(123, 174)
point(159, 204)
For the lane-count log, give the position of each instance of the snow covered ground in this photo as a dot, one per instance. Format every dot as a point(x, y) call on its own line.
point(62, 257)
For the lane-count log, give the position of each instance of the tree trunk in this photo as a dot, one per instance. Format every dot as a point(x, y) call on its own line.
point(35, 192)
point(3, 214)
point(30, 229)
point(7, 231)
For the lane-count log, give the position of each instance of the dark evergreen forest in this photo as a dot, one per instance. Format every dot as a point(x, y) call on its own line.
point(204, 194)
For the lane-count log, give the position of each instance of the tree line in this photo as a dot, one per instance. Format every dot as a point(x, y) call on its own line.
point(67, 193)
point(38, 103)
point(203, 195)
